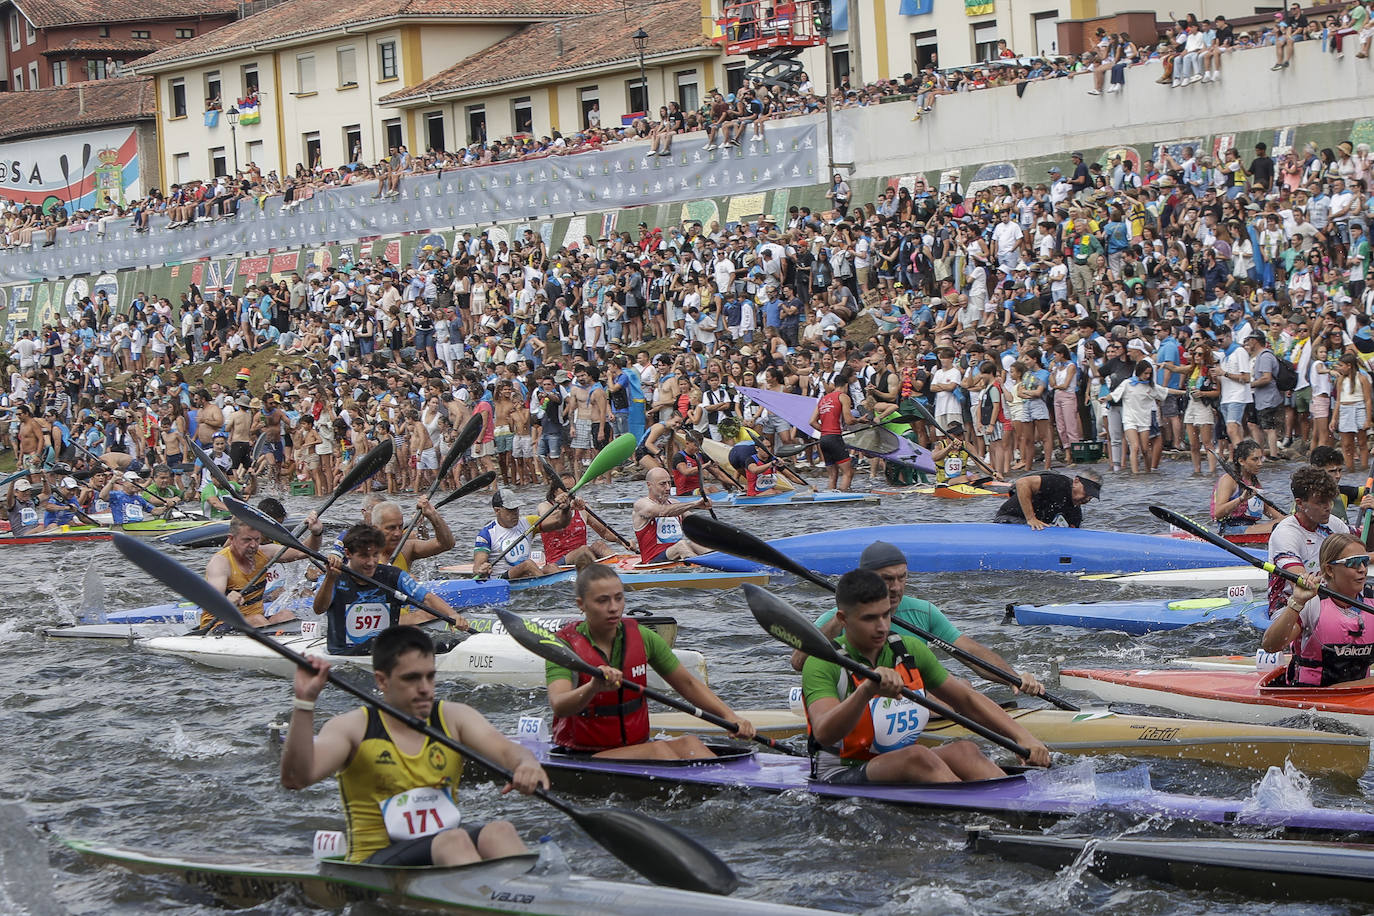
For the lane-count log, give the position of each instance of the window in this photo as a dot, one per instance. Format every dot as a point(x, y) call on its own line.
point(637, 93)
point(14, 31)
point(177, 104)
point(522, 115)
point(348, 66)
point(214, 91)
point(186, 33)
point(353, 142)
point(305, 73)
point(33, 75)
point(590, 98)
point(104, 31)
point(386, 59)
point(391, 130)
point(477, 123)
point(181, 168)
point(688, 91)
point(18, 79)
point(59, 73)
point(734, 77)
point(95, 69)
point(924, 54)
point(254, 150)
point(311, 144)
point(249, 75)
point(1046, 31)
point(141, 33)
point(434, 130)
point(218, 165)
point(984, 41)
point(30, 36)
point(839, 64)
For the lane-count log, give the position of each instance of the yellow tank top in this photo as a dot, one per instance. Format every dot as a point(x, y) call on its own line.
point(379, 771)
point(238, 578)
point(402, 563)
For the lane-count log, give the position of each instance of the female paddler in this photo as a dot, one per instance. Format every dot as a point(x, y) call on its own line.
point(1332, 642)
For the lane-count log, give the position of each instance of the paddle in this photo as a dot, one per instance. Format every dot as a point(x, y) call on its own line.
point(658, 851)
point(546, 644)
point(1367, 523)
point(216, 472)
point(1198, 531)
point(1233, 472)
point(480, 482)
point(701, 481)
point(926, 415)
point(362, 470)
point(611, 456)
point(551, 474)
point(466, 436)
point(141, 487)
point(790, 451)
point(729, 539)
point(786, 624)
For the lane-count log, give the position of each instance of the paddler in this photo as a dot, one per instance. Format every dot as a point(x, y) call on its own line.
point(399, 788)
point(600, 715)
point(1236, 506)
point(656, 522)
point(889, 563)
point(568, 545)
point(834, 411)
point(1332, 642)
point(689, 466)
point(21, 506)
point(388, 517)
point(358, 611)
point(1296, 541)
point(124, 492)
point(657, 442)
point(61, 504)
point(1330, 460)
point(1038, 500)
point(760, 474)
point(509, 525)
point(951, 456)
point(866, 730)
point(163, 486)
point(240, 560)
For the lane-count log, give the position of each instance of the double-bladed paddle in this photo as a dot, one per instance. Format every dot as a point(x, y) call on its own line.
point(1367, 522)
point(552, 476)
point(728, 539)
point(787, 625)
point(466, 436)
point(658, 851)
point(216, 472)
point(1233, 472)
point(926, 415)
point(170, 507)
point(545, 643)
point(480, 482)
point(611, 456)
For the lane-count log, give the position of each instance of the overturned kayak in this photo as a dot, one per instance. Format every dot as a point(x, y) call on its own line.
point(1285, 869)
point(1138, 617)
point(534, 883)
point(987, 547)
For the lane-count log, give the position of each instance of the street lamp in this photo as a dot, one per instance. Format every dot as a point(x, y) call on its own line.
point(641, 40)
point(233, 117)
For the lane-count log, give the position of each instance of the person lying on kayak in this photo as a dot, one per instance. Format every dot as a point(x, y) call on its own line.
point(1330, 460)
point(239, 562)
point(600, 715)
point(508, 526)
point(399, 787)
point(1237, 507)
point(357, 611)
point(888, 561)
point(866, 731)
point(1332, 642)
point(1038, 500)
point(568, 544)
point(655, 519)
point(760, 474)
point(1296, 541)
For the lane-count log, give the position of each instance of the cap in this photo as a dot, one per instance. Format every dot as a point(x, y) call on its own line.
point(22, 485)
point(561, 377)
point(1076, 154)
point(1091, 487)
point(505, 498)
point(1054, 170)
point(880, 555)
point(132, 476)
point(1258, 336)
point(69, 483)
point(256, 403)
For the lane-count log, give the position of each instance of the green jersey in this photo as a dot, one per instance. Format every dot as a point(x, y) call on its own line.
point(917, 612)
point(656, 651)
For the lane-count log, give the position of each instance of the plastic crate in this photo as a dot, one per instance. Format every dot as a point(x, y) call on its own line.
point(1088, 452)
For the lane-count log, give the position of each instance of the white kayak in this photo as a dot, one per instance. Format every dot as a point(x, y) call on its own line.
point(1206, 580)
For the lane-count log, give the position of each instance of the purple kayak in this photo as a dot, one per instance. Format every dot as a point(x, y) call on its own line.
point(797, 409)
point(1046, 794)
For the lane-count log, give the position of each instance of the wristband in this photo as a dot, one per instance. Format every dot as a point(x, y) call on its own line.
point(303, 705)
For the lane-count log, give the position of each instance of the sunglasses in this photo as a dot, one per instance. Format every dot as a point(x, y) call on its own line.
point(1356, 562)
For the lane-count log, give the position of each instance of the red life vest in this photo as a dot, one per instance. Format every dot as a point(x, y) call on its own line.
point(614, 718)
point(685, 484)
point(558, 544)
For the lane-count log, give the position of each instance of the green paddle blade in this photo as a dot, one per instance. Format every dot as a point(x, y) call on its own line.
point(616, 453)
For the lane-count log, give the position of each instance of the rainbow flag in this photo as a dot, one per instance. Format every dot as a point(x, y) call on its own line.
point(250, 112)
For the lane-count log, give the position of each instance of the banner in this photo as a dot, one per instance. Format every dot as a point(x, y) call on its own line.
point(81, 170)
point(977, 7)
point(915, 7)
point(618, 176)
point(839, 15)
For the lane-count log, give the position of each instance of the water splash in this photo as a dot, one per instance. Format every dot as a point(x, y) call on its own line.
point(1286, 789)
point(1056, 891)
point(26, 885)
point(183, 747)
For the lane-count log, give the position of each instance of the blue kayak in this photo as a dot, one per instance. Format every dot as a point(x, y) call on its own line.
point(737, 501)
point(459, 593)
point(989, 547)
point(1139, 617)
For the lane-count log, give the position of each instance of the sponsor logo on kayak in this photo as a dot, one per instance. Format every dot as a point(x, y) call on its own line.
point(1154, 733)
point(481, 661)
point(508, 897)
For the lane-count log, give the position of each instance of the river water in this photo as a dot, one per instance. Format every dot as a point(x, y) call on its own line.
point(108, 743)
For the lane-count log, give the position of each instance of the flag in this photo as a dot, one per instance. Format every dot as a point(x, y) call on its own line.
point(250, 112)
point(915, 7)
point(212, 118)
point(839, 16)
point(977, 7)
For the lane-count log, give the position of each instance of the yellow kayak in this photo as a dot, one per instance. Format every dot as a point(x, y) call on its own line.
point(719, 452)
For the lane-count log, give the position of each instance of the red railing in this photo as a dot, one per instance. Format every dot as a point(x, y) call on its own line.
point(758, 25)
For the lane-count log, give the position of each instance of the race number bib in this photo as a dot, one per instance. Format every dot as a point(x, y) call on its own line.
point(954, 466)
point(364, 620)
point(133, 512)
point(669, 530)
point(1254, 506)
point(897, 723)
point(28, 516)
point(518, 554)
point(766, 481)
point(419, 812)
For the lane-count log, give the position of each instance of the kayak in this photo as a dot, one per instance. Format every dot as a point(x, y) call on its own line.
point(1237, 695)
point(81, 533)
point(1139, 617)
point(213, 534)
point(986, 547)
point(719, 455)
point(483, 658)
point(1257, 539)
point(797, 409)
point(793, 498)
point(963, 491)
point(1199, 579)
point(1036, 795)
point(633, 574)
point(532, 883)
point(1093, 732)
point(1287, 869)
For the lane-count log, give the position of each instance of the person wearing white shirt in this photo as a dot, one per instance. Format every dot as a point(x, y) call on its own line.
point(1235, 392)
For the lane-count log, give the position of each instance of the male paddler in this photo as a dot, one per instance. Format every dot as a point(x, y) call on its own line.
point(388, 517)
point(656, 521)
point(1295, 543)
point(239, 562)
point(600, 715)
point(867, 730)
point(400, 787)
point(1038, 500)
point(510, 525)
point(890, 564)
point(21, 506)
point(125, 494)
point(568, 544)
point(760, 473)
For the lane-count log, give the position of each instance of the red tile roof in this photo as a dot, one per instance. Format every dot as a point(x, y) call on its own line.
point(44, 14)
point(587, 41)
point(107, 46)
point(76, 105)
point(299, 18)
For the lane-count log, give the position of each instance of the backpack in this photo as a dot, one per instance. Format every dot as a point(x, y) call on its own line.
point(1287, 377)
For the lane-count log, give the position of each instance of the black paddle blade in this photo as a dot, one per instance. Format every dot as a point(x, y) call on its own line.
point(368, 465)
point(658, 851)
point(216, 472)
point(541, 641)
point(791, 451)
point(466, 437)
point(261, 523)
point(722, 536)
point(551, 473)
point(472, 486)
point(178, 578)
point(786, 624)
